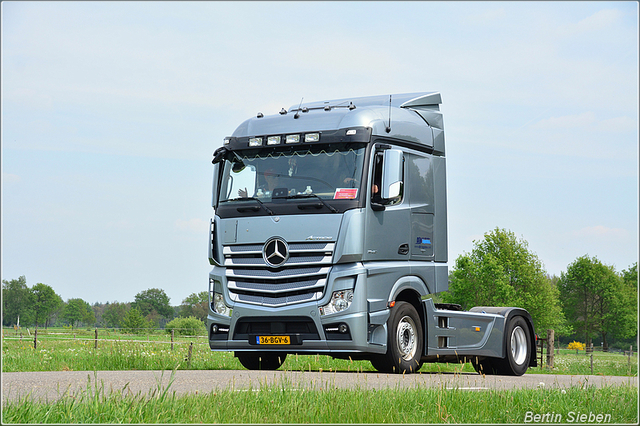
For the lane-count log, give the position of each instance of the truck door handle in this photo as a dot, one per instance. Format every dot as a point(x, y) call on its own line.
point(403, 249)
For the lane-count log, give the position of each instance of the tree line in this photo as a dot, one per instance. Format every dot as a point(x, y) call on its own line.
point(41, 306)
point(589, 301)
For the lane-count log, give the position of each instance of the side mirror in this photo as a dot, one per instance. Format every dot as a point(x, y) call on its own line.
point(219, 154)
point(392, 174)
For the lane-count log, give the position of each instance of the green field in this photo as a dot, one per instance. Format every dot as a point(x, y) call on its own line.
point(58, 350)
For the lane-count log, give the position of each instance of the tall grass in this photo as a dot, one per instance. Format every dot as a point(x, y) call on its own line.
point(282, 404)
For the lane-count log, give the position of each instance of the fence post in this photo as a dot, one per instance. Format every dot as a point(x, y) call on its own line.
point(540, 351)
point(630, 352)
point(189, 355)
point(592, 363)
point(96, 343)
point(172, 339)
point(550, 348)
point(35, 338)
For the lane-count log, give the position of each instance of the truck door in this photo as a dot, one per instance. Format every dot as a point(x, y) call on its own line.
point(387, 234)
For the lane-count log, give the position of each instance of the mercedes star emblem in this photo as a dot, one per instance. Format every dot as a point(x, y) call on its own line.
point(275, 252)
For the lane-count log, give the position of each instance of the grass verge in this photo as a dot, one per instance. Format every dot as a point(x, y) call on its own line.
point(281, 404)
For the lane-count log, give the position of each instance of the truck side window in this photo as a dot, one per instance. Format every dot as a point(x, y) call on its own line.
point(377, 179)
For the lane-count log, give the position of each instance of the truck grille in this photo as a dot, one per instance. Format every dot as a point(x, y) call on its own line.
point(302, 278)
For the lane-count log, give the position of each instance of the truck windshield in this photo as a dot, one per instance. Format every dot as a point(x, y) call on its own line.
point(329, 172)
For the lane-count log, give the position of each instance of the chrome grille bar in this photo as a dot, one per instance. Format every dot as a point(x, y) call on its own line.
point(302, 278)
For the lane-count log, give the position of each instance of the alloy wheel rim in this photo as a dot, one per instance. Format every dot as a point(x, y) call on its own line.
point(406, 338)
point(518, 345)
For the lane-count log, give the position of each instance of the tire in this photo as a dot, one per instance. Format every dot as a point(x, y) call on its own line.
point(261, 361)
point(518, 348)
point(404, 342)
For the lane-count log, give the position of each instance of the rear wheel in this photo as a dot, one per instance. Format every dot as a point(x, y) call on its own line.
point(404, 341)
point(518, 352)
point(518, 348)
point(261, 361)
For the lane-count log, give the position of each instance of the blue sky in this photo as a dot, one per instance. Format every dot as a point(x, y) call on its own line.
point(111, 112)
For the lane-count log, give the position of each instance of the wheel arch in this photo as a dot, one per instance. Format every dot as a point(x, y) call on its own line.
point(508, 313)
point(410, 289)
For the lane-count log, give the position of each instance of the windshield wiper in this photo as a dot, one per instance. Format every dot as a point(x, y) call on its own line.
point(242, 209)
point(329, 206)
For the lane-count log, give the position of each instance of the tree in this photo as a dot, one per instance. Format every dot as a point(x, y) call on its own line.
point(76, 311)
point(625, 322)
point(593, 298)
point(501, 271)
point(114, 313)
point(98, 312)
point(196, 305)
point(17, 302)
point(134, 322)
point(153, 299)
point(45, 303)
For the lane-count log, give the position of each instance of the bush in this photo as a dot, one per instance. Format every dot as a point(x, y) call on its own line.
point(190, 326)
point(576, 345)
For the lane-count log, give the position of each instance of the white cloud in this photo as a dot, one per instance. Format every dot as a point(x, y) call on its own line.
point(599, 21)
point(10, 178)
point(600, 231)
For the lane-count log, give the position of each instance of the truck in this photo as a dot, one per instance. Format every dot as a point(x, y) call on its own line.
point(329, 236)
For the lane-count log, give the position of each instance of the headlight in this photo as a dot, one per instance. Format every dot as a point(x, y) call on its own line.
point(219, 306)
point(340, 300)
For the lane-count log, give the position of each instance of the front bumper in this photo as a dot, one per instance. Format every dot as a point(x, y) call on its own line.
point(308, 331)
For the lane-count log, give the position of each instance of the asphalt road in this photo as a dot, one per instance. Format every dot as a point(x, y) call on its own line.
point(52, 385)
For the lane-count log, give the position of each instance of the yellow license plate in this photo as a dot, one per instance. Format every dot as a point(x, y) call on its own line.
point(273, 340)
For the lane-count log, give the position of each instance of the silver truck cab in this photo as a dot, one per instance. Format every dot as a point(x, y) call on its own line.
point(330, 234)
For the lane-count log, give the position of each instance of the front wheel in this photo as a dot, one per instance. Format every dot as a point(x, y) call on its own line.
point(261, 361)
point(404, 341)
